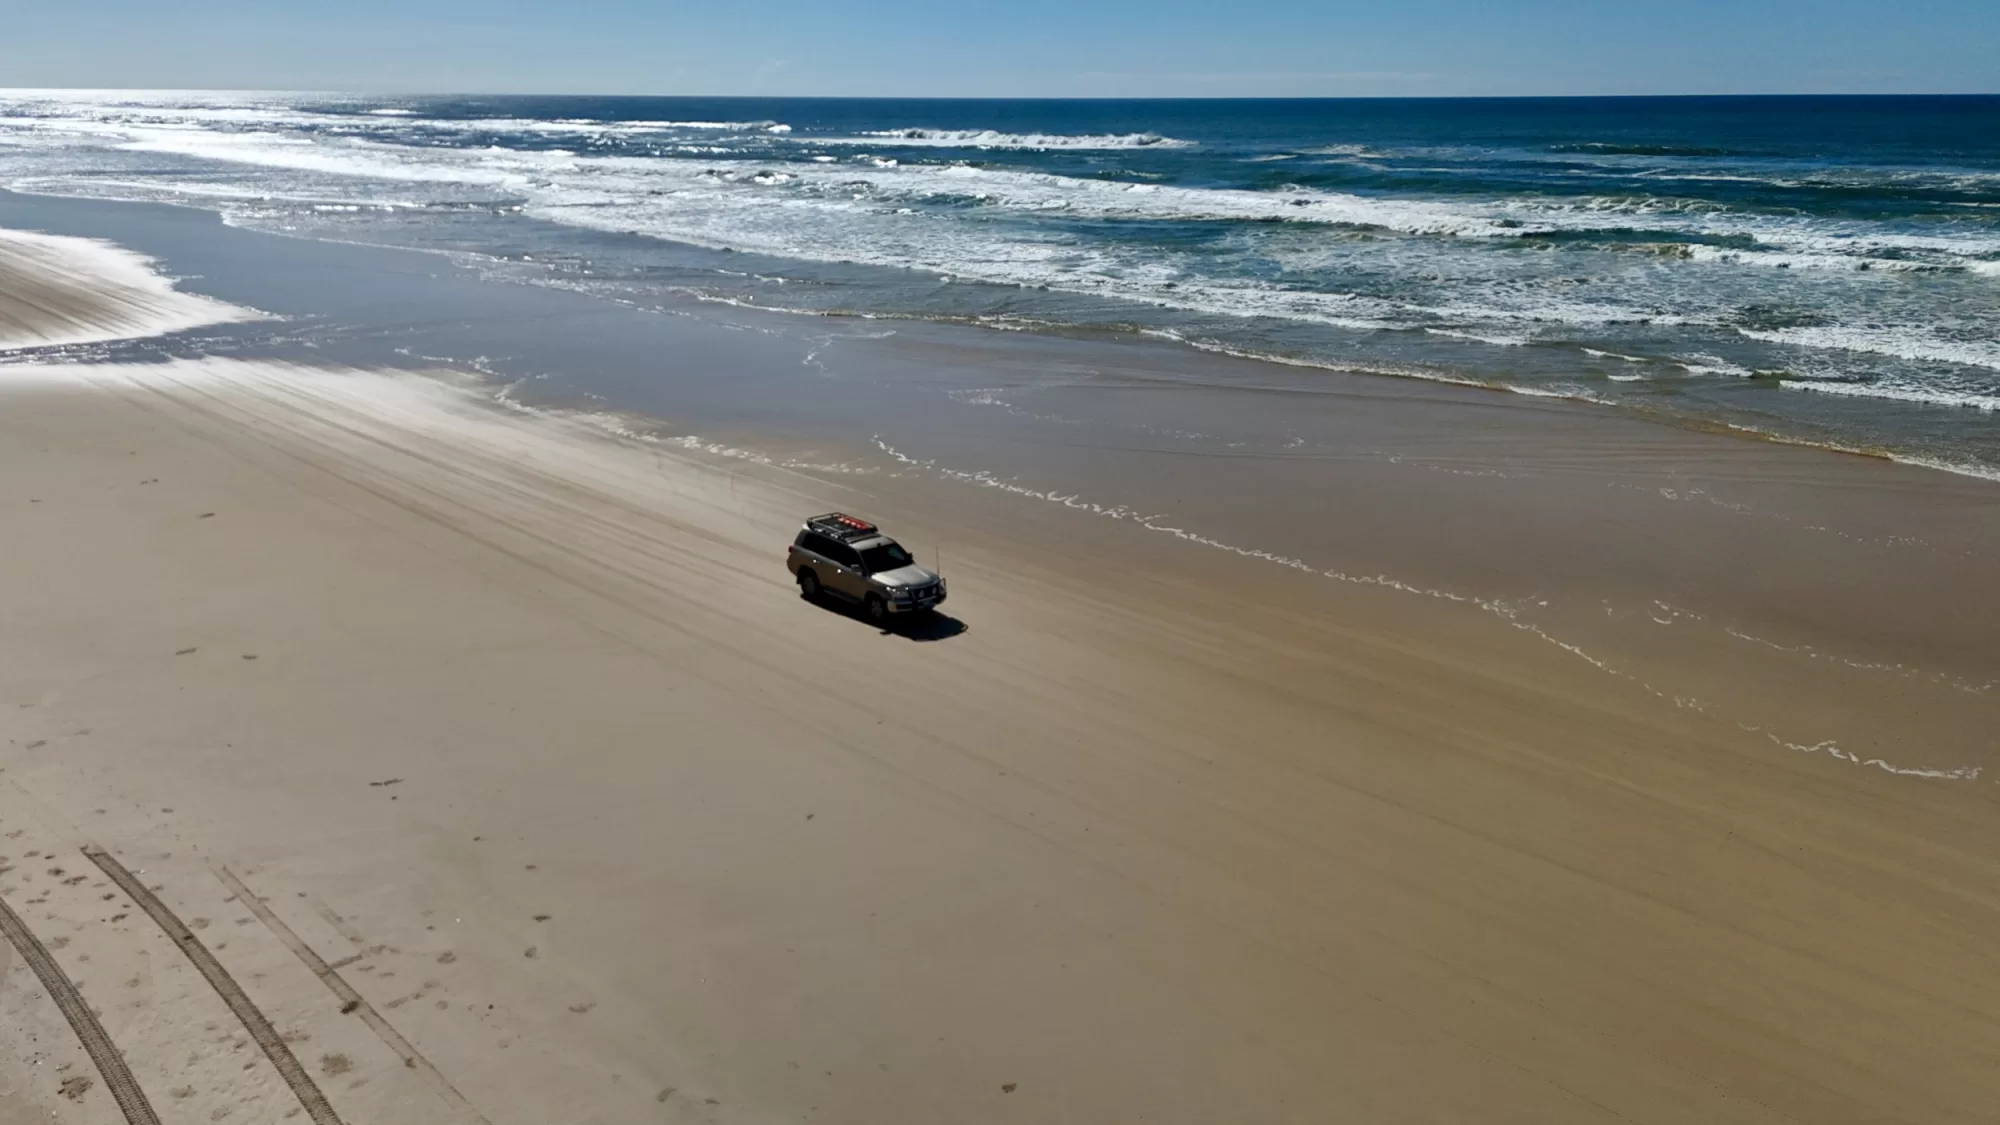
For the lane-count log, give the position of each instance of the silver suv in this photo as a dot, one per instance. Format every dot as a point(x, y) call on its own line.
point(852, 560)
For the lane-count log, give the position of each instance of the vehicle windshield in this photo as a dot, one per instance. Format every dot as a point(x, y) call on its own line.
point(884, 556)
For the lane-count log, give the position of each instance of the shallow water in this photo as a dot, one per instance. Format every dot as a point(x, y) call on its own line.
point(1826, 269)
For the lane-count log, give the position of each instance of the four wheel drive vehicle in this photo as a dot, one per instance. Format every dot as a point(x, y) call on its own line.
point(852, 560)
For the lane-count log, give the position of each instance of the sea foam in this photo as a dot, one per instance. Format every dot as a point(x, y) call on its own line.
point(1910, 343)
point(1929, 396)
point(1292, 238)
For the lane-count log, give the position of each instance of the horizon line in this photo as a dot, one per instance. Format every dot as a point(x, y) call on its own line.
point(387, 93)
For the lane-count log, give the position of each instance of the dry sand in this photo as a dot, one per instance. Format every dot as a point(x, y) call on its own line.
point(521, 727)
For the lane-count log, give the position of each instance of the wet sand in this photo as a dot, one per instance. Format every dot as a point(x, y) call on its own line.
point(56, 290)
point(517, 723)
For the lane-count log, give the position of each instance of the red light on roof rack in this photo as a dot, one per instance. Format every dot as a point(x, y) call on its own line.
point(843, 527)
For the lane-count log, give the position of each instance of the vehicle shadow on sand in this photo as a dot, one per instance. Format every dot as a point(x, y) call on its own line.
point(933, 626)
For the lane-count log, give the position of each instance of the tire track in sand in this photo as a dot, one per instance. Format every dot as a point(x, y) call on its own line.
point(232, 994)
point(350, 999)
point(96, 1043)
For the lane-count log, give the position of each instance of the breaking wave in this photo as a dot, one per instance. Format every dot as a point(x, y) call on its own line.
point(1338, 240)
point(1910, 343)
point(989, 138)
point(1928, 396)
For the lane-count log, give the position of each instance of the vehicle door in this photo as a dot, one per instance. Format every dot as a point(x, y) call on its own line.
point(847, 580)
point(822, 553)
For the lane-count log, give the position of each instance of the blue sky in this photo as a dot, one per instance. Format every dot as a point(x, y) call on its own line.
point(1016, 48)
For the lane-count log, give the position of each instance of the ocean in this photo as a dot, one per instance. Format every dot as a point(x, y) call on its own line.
point(1823, 270)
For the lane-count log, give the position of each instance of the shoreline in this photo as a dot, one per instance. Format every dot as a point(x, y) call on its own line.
point(516, 717)
point(1710, 421)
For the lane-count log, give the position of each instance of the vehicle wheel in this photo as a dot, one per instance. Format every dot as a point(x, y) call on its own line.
point(878, 610)
point(809, 584)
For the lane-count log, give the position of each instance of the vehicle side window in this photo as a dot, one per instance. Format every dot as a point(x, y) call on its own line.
point(830, 549)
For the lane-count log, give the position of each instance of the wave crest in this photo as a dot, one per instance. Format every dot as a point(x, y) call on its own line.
point(990, 138)
point(1913, 343)
point(1615, 148)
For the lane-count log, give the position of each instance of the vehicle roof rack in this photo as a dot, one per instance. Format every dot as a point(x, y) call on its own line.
point(843, 527)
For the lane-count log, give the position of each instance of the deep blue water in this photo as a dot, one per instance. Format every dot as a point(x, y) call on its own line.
point(1822, 268)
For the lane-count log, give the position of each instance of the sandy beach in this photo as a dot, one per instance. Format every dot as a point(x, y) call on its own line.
point(557, 804)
